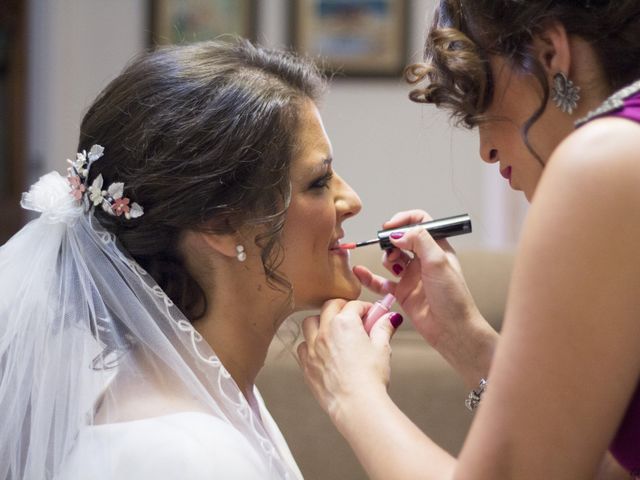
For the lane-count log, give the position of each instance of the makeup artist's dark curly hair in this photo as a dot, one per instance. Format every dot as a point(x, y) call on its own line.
point(456, 73)
point(203, 137)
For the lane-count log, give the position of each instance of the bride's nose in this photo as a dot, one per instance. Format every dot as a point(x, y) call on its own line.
point(348, 202)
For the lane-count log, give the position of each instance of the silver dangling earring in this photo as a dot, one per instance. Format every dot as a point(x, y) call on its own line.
point(565, 93)
point(242, 255)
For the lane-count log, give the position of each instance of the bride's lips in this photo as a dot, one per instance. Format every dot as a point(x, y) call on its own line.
point(335, 248)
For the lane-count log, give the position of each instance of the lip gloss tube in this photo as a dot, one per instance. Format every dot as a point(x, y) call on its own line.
point(440, 228)
point(378, 310)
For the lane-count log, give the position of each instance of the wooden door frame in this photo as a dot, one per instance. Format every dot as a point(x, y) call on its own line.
point(11, 215)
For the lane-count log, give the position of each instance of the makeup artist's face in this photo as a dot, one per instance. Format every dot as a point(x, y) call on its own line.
point(517, 96)
point(320, 202)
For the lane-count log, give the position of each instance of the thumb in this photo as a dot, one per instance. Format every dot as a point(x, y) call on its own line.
point(384, 329)
point(303, 354)
point(373, 282)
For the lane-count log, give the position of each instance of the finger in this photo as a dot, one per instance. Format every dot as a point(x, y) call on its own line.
point(407, 217)
point(332, 311)
point(385, 328)
point(422, 244)
point(356, 308)
point(310, 327)
point(303, 354)
point(331, 308)
point(410, 284)
point(391, 254)
point(398, 265)
point(373, 282)
point(348, 319)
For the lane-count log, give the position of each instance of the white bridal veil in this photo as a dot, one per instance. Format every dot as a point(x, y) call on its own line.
point(84, 331)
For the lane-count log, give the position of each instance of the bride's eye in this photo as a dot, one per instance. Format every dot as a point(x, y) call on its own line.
point(323, 181)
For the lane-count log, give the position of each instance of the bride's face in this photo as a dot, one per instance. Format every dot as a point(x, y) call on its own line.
point(320, 202)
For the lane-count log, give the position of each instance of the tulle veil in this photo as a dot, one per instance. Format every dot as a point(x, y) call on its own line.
point(76, 314)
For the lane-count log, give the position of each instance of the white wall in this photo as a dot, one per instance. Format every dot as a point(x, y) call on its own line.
point(75, 48)
point(396, 154)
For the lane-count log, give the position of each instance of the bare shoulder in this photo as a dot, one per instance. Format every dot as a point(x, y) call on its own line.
point(606, 149)
point(593, 178)
point(591, 184)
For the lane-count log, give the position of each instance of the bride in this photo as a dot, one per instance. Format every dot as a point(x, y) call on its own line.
point(137, 309)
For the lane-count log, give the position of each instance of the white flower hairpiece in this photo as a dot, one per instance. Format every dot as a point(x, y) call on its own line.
point(111, 200)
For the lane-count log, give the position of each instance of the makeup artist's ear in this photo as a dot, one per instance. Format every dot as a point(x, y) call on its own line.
point(553, 49)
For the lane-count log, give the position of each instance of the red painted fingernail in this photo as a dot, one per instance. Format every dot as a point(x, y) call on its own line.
point(397, 268)
point(396, 320)
point(397, 235)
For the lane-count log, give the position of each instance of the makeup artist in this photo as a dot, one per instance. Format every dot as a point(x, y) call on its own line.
point(553, 87)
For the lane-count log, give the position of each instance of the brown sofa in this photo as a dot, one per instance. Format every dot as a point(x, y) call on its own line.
point(422, 384)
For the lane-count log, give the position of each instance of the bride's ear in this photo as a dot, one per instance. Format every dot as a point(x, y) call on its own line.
point(553, 49)
point(200, 243)
point(224, 244)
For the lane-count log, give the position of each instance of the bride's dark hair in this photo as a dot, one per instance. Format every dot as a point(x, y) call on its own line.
point(202, 136)
point(456, 73)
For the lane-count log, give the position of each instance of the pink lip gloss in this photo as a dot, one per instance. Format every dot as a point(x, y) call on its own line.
point(377, 310)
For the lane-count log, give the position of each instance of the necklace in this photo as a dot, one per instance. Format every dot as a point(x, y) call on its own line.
point(614, 102)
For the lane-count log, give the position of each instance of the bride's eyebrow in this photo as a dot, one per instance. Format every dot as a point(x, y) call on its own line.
point(323, 165)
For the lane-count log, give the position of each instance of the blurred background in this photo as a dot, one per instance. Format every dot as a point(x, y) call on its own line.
point(56, 55)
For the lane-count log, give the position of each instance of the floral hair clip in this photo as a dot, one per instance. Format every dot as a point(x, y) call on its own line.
point(111, 199)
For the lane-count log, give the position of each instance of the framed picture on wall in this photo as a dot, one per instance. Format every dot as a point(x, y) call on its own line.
point(353, 37)
point(187, 21)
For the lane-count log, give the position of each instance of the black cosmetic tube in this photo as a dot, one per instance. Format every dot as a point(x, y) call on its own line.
point(441, 228)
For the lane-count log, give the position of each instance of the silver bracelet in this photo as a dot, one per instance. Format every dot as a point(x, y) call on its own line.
point(474, 397)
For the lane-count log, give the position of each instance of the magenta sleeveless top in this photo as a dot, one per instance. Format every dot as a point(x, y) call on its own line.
point(626, 444)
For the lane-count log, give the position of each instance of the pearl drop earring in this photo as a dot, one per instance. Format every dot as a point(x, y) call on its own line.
point(242, 255)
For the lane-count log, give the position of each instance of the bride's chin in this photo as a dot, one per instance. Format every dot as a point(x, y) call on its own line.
point(345, 292)
point(349, 291)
